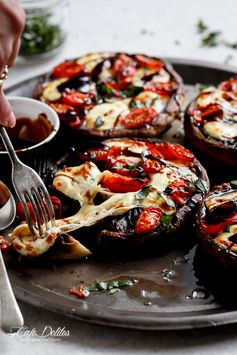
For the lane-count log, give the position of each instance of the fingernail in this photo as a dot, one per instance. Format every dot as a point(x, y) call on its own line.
point(11, 120)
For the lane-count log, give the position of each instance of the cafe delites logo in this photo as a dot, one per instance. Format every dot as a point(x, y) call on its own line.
point(48, 333)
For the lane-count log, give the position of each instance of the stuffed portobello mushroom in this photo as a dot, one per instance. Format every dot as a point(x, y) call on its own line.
point(129, 190)
point(217, 225)
point(211, 123)
point(105, 95)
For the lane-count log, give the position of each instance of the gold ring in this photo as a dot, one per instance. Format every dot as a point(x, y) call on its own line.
point(4, 75)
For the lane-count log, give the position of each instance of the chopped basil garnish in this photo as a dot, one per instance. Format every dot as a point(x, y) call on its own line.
point(99, 121)
point(111, 286)
point(132, 167)
point(132, 90)
point(201, 26)
point(226, 229)
point(212, 39)
point(200, 185)
point(143, 193)
point(166, 220)
point(104, 90)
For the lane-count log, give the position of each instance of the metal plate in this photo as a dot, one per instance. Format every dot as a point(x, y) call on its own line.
point(174, 290)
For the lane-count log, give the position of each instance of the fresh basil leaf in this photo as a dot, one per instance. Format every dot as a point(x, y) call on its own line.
point(104, 90)
point(201, 26)
point(212, 39)
point(200, 185)
point(132, 90)
point(101, 285)
point(166, 221)
point(226, 229)
point(143, 193)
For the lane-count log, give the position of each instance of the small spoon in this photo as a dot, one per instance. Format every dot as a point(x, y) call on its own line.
point(10, 315)
point(7, 206)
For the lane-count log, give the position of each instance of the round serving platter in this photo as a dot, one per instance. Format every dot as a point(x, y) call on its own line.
point(175, 290)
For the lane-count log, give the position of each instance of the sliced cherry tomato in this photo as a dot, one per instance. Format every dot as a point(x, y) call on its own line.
point(139, 117)
point(180, 191)
point(148, 220)
point(68, 114)
point(153, 149)
point(123, 67)
point(113, 154)
point(151, 166)
point(176, 152)
point(98, 154)
point(120, 184)
point(150, 63)
point(208, 112)
point(162, 88)
point(57, 205)
point(76, 98)
point(210, 229)
point(68, 69)
point(122, 167)
point(228, 85)
point(118, 86)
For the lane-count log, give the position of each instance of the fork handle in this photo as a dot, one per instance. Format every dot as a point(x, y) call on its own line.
point(8, 145)
point(10, 316)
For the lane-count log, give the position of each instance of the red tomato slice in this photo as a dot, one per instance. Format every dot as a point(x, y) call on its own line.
point(151, 166)
point(57, 205)
point(139, 117)
point(120, 184)
point(228, 85)
point(210, 229)
point(208, 112)
point(150, 63)
point(118, 86)
point(169, 88)
point(148, 220)
point(153, 148)
point(123, 67)
point(68, 114)
point(68, 69)
point(75, 98)
point(176, 152)
point(99, 154)
point(180, 191)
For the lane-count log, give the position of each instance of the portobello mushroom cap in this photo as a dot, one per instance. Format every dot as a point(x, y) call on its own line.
point(220, 246)
point(222, 152)
point(159, 125)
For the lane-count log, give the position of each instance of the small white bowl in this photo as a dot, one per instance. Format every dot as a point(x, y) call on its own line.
point(31, 108)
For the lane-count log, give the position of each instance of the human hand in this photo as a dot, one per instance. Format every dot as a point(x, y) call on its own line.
point(12, 20)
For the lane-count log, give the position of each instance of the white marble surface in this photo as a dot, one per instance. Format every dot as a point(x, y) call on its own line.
point(153, 27)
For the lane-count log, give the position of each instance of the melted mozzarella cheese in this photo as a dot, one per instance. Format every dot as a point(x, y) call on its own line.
point(104, 116)
point(216, 96)
point(151, 99)
point(50, 89)
point(92, 59)
point(220, 130)
point(79, 183)
point(160, 180)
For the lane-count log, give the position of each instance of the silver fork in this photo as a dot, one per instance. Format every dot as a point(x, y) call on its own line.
point(30, 188)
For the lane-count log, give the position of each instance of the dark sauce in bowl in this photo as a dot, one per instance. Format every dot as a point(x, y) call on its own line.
point(28, 132)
